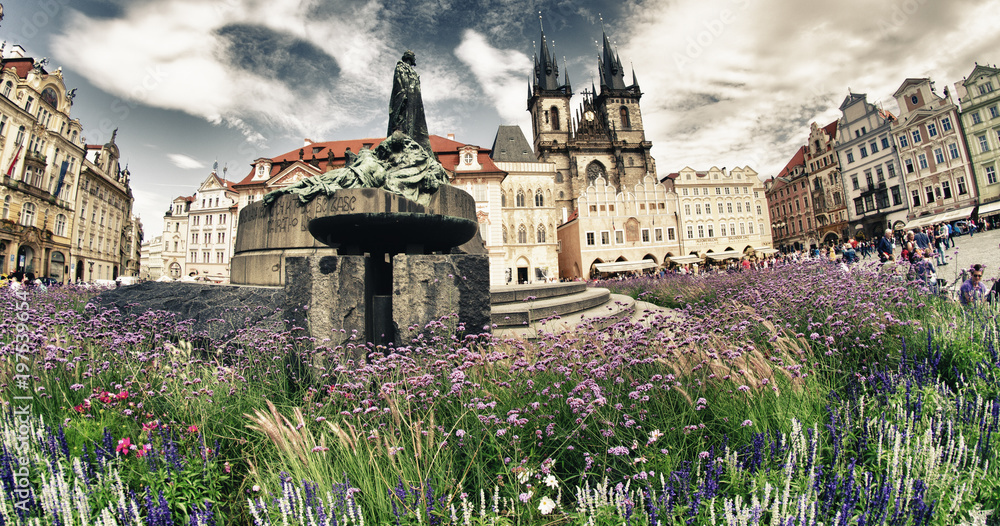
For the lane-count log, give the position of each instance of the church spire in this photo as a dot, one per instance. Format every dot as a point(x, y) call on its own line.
point(547, 67)
point(610, 67)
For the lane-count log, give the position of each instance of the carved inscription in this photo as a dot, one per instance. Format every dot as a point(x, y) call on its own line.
point(341, 204)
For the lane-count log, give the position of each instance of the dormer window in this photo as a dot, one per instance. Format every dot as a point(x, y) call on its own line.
point(467, 158)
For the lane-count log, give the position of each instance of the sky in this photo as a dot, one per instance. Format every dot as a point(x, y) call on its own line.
point(725, 82)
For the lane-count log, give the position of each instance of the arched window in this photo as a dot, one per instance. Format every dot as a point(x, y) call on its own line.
point(554, 115)
point(28, 214)
point(541, 234)
point(503, 233)
point(594, 170)
point(519, 199)
point(175, 270)
point(522, 234)
point(503, 199)
point(6, 207)
point(19, 138)
point(6, 88)
point(539, 200)
point(61, 225)
point(626, 123)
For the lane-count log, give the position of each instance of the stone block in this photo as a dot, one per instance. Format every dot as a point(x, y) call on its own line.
point(428, 287)
point(326, 294)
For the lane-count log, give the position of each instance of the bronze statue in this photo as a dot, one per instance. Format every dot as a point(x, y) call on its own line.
point(406, 107)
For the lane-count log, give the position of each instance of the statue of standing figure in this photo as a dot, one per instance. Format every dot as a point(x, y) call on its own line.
point(406, 108)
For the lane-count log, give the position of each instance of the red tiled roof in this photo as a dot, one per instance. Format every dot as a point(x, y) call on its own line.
point(446, 150)
point(831, 129)
point(799, 159)
point(21, 66)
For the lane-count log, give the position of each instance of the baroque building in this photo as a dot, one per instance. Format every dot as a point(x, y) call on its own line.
point(211, 226)
point(979, 98)
point(932, 150)
point(528, 212)
point(723, 214)
point(174, 239)
point(104, 205)
point(42, 155)
point(875, 189)
point(822, 169)
point(603, 139)
point(790, 201)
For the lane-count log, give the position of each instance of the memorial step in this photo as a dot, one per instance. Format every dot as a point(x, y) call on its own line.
point(531, 309)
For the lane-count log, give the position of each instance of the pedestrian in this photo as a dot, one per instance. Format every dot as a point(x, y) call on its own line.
point(940, 239)
point(949, 242)
point(921, 239)
point(884, 247)
point(973, 290)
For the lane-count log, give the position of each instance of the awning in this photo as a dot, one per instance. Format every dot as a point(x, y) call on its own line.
point(765, 250)
point(684, 260)
point(943, 217)
point(625, 266)
point(729, 254)
point(989, 208)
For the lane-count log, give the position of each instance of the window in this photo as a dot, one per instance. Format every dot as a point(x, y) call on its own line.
point(722, 229)
point(750, 227)
point(869, 202)
point(619, 237)
point(220, 237)
point(220, 257)
point(718, 190)
point(859, 206)
point(605, 237)
point(503, 199)
point(727, 190)
point(854, 181)
point(6, 88)
point(850, 157)
point(519, 199)
point(60, 225)
point(743, 230)
point(938, 155)
point(985, 88)
point(903, 143)
point(961, 186)
point(28, 214)
point(946, 189)
point(19, 138)
point(697, 209)
point(885, 143)
point(975, 117)
point(208, 220)
point(759, 210)
point(984, 145)
point(206, 256)
point(645, 235)
point(623, 113)
point(916, 136)
point(932, 130)
point(591, 241)
point(539, 200)
point(874, 146)
point(993, 112)
point(922, 159)
point(909, 166)
point(879, 174)
point(658, 234)
point(946, 124)
point(540, 234)
point(701, 231)
point(868, 179)
point(522, 234)
point(690, 232)
point(991, 175)
point(222, 219)
point(916, 197)
point(708, 208)
point(671, 234)
point(27, 105)
point(929, 192)
point(897, 198)
point(864, 152)
point(684, 191)
point(555, 117)
point(6, 207)
point(739, 207)
point(953, 150)
point(687, 210)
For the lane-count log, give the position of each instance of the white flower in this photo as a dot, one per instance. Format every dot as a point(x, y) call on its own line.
point(523, 476)
point(546, 506)
point(550, 481)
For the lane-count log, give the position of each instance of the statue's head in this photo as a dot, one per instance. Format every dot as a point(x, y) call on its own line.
point(410, 58)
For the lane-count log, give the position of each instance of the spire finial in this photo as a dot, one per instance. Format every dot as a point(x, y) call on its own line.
point(540, 26)
point(602, 21)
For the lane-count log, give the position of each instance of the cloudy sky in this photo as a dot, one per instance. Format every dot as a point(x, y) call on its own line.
point(725, 82)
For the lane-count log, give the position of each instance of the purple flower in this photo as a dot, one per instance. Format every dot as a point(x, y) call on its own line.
point(746, 423)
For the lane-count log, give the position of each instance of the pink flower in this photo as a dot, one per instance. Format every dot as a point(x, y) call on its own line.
point(141, 452)
point(746, 423)
point(193, 429)
point(124, 445)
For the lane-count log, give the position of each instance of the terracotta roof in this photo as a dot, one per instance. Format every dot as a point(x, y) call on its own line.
point(831, 129)
point(21, 66)
point(446, 150)
point(799, 159)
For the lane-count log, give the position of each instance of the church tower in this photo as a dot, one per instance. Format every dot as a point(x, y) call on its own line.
point(548, 102)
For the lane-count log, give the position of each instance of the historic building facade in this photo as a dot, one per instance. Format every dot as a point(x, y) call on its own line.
point(211, 226)
point(104, 205)
point(528, 213)
point(603, 139)
point(875, 189)
point(42, 155)
point(979, 97)
point(790, 200)
point(935, 162)
point(827, 190)
point(151, 259)
point(175, 229)
point(722, 214)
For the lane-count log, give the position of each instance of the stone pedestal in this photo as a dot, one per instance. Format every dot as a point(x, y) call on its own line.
point(326, 295)
point(428, 287)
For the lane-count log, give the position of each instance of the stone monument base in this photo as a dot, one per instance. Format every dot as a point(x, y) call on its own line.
point(336, 297)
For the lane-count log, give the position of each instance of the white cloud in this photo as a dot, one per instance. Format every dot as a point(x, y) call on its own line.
point(502, 74)
point(184, 162)
point(736, 82)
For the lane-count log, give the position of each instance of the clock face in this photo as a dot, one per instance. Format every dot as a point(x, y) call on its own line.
point(589, 116)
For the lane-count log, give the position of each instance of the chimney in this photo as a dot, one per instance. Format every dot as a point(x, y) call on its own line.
point(307, 142)
point(16, 51)
point(451, 136)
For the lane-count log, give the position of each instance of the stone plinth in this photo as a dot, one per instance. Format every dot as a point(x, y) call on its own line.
point(326, 294)
point(266, 235)
point(428, 287)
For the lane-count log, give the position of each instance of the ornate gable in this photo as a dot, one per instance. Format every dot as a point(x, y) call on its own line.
point(293, 174)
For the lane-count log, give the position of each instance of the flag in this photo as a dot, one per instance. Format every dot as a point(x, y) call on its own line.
point(62, 177)
point(17, 156)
